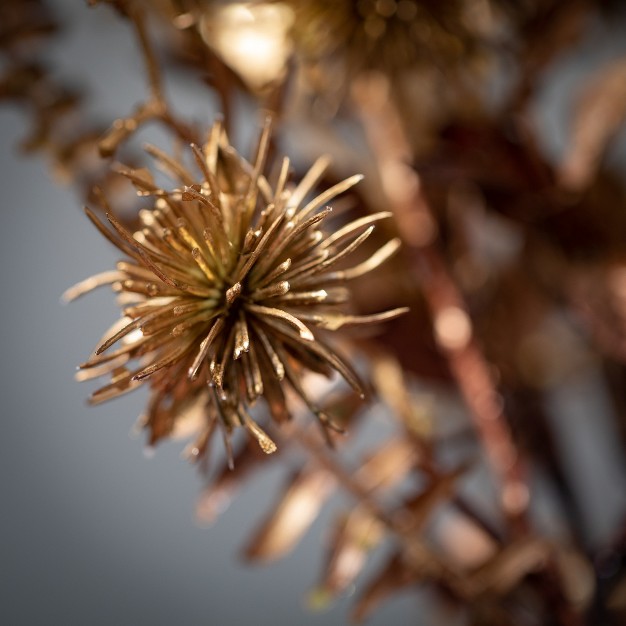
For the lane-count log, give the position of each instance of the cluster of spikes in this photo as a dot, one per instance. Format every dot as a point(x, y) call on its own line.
point(225, 289)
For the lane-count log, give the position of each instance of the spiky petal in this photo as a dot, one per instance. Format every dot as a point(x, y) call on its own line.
point(224, 292)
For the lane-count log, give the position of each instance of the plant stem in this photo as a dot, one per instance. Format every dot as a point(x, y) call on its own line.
point(451, 323)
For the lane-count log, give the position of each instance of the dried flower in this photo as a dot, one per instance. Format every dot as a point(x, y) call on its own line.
point(386, 35)
point(225, 290)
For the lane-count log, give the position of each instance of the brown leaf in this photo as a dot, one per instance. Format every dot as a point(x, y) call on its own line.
point(600, 112)
point(355, 535)
point(503, 571)
point(577, 576)
point(421, 506)
point(388, 465)
point(293, 514)
point(555, 27)
point(390, 383)
point(393, 577)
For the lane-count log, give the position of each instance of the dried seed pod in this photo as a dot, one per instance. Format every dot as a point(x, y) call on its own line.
point(225, 291)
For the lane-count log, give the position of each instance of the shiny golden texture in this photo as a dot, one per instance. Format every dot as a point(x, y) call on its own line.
point(384, 35)
point(225, 290)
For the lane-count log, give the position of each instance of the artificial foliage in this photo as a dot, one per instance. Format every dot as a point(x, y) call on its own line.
point(278, 305)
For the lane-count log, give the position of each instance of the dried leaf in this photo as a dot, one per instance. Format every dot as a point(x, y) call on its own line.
point(577, 576)
point(394, 576)
point(391, 386)
point(600, 112)
point(505, 570)
point(420, 507)
point(295, 511)
point(388, 465)
point(355, 535)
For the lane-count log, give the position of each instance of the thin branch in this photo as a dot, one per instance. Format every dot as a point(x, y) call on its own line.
point(451, 322)
point(155, 80)
point(156, 108)
point(418, 554)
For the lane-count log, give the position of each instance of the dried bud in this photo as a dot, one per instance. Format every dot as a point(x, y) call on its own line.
point(225, 289)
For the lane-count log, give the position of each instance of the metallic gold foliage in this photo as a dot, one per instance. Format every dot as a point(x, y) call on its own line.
point(226, 290)
point(297, 509)
point(388, 35)
point(234, 280)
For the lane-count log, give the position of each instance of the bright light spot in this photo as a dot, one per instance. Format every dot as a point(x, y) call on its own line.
point(515, 497)
point(251, 38)
point(453, 328)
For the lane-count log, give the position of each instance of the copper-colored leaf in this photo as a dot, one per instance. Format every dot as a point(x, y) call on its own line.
point(420, 507)
point(388, 465)
point(577, 576)
point(297, 508)
point(393, 577)
point(391, 386)
point(502, 572)
point(600, 112)
point(355, 535)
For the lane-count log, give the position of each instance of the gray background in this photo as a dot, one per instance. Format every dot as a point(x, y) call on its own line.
point(92, 531)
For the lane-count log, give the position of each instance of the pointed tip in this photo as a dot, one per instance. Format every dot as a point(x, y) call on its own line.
point(136, 429)
point(269, 447)
point(307, 335)
point(323, 161)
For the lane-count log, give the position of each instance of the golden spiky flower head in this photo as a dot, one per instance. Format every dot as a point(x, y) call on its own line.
point(225, 290)
point(385, 35)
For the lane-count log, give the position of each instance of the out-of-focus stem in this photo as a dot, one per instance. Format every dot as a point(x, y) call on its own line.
point(156, 108)
point(451, 323)
point(417, 553)
point(155, 80)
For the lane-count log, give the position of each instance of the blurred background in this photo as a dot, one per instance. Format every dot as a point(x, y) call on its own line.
point(523, 155)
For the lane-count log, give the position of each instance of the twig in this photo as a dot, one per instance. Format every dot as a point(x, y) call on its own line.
point(156, 108)
point(451, 322)
point(155, 80)
point(419, 555)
